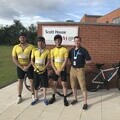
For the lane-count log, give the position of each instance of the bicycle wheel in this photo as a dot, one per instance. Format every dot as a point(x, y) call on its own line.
point(118, 83)
point(92, 87)
point(62, 95)
point(26, 83)
point(68, 84)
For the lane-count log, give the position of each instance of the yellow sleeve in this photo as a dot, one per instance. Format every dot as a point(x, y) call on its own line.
point(33, 53)
point(14, 54)
point(33, 46)
point(66, 53)
point(51, 53)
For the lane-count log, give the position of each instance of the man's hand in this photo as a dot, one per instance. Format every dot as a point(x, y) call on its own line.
point(58, 72)
point(88, 62)
point(25, 68)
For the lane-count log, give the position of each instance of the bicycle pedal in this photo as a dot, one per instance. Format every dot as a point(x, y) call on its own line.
point(106, 85)
point(106, 82)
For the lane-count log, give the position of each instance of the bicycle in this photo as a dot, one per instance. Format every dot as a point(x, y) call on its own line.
point(101, 79)
point(50, 77)
point(26, 83)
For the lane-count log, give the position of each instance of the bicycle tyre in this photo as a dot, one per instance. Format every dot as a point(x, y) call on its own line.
point(118, 83)
point(92, 87)
point(68, 83)
point(27, 85)
point(62, 95)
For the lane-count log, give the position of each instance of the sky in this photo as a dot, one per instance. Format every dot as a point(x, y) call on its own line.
point(33, 11)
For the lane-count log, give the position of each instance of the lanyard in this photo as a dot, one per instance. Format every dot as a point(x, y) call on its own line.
point(41, 51)
point(75, 56)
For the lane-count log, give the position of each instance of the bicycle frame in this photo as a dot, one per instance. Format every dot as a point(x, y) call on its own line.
point(102, 72)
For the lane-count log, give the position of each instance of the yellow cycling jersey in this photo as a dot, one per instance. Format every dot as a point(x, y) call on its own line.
point(59, 55)
point(23, 56)
point(40, 57)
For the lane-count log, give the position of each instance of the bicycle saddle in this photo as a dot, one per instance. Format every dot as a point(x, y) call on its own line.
point(116, 65)
point(98, 66)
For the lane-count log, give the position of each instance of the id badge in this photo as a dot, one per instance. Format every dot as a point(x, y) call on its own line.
point(75, 58)
point(74, 62)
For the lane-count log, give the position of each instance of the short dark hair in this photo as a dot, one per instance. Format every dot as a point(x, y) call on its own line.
point(23, 34)
point(57, 37)
point(40, 38)
point(77, 37)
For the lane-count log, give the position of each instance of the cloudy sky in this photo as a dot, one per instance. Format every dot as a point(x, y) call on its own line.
point(32, 11)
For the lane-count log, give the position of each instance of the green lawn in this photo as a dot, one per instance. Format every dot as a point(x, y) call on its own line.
point(7, 67)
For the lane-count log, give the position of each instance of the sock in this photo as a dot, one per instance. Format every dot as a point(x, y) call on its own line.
point(53, 95)
point(19, 95)
point(64, 97)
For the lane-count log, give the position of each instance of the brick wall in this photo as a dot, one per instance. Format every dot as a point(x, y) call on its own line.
point(101, 40)
point(108, 18)
point(89, 18)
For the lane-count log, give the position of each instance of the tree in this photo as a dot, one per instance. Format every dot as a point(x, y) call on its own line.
point(69, 20)
point(9, 34)
point(15, 30)
point(32, 33)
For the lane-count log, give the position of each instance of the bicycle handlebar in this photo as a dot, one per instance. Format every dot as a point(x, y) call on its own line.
point(98, 66)
point(116, 65)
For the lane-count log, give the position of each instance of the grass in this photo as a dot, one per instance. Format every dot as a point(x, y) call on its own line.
point(7, 67)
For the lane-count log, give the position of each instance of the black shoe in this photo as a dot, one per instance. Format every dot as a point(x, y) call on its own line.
point(52, 100)
point(85, 106)
point(66, 102)
point(73, 102)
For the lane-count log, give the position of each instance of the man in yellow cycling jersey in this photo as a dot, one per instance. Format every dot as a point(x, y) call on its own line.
point(21, 55)
point(40, 59)
point(59, 56)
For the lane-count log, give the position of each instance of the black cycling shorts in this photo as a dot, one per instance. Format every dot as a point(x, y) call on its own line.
point(63, 76)
point(40, 80)
point(21, 73)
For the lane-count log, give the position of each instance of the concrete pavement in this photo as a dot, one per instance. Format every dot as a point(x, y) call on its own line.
point(103, 105)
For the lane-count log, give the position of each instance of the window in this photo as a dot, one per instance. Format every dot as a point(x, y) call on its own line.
point(116, 20)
